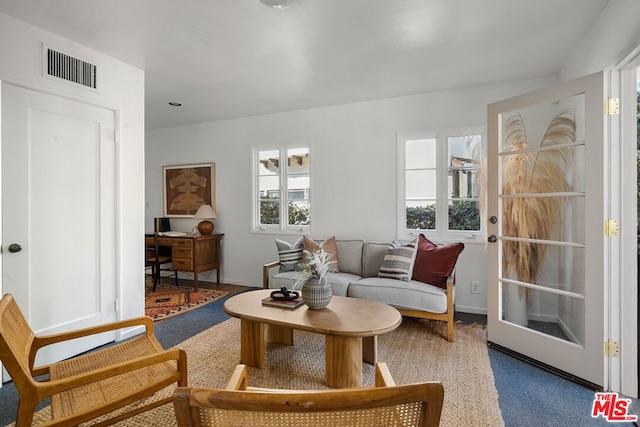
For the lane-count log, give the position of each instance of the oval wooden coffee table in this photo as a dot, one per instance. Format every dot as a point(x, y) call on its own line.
point(350, 326)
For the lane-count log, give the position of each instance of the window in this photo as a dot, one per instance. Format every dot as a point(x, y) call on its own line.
point(437, 189)
point(281, 190)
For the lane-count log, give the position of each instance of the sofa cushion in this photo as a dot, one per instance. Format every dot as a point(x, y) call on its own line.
point(410, 295)
point(286, 279)
point(329, 246)
point(372, 257)
point(434, 264)
point(289, 254)
point(398, 262)
point(350, 256)
point(339, 281)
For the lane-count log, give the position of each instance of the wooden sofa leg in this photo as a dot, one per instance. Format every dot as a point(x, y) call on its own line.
point(450, 323)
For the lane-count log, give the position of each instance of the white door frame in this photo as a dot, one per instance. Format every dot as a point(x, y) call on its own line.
point(623, 299)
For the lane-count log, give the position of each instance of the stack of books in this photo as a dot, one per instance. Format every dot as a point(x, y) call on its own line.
point(284, 303)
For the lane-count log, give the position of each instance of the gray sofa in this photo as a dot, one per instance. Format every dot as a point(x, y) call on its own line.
point(359, 263)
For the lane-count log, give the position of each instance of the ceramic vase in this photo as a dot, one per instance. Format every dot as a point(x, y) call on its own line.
point(316, 293)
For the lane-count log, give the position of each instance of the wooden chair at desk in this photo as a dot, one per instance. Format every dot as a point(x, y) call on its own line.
point(156, 257)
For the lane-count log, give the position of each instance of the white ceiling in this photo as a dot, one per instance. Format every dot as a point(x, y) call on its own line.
point(235, 58)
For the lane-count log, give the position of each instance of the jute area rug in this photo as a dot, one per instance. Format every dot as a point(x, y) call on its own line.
point(170, 300)
point(414, 352)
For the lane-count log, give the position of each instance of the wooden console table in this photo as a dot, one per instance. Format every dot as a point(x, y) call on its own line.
point(193, 254)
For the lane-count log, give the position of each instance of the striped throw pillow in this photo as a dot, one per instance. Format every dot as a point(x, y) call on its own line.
point(398, 262)
point(289, 254)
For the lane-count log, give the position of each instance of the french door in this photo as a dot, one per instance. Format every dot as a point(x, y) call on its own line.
point(546, 211)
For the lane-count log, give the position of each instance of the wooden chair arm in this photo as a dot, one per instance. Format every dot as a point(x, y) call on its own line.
point(265, 273)
point(383, 377)
point(238, 380)
point(45, 340)
point(49, 388)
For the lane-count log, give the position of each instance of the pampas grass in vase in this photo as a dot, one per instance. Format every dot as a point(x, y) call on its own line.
point(530, 216)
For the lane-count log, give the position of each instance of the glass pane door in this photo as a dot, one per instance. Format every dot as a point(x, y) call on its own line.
point(545, 193)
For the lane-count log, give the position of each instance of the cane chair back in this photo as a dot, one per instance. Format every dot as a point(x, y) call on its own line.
point(385, 404)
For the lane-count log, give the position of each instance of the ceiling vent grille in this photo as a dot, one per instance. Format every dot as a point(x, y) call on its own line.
point(71, 69)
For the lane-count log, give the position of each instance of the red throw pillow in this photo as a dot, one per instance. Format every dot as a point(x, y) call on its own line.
point(435, 263)
point(424, 243)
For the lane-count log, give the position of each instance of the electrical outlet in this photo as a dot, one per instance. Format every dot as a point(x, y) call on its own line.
point(475, 287)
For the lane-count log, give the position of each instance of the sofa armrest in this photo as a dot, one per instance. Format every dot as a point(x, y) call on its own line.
point(451, 280)
point(265, 273)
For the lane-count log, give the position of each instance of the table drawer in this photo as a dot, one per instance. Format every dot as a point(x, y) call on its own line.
point(182, 264)
point(182, 242)
point(178, 252)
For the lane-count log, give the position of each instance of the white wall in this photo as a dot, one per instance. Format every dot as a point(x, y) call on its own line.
point(614, 34)
point(353, 167)
point(122, 90)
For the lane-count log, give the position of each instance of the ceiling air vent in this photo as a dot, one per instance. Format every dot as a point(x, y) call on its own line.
point(71, 69)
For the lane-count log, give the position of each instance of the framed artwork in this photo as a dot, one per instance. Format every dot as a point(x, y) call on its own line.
point(187, 187)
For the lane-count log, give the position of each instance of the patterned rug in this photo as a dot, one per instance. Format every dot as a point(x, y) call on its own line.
point(170, 300)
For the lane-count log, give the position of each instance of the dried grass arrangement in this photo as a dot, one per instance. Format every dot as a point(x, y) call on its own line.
point(533, 172)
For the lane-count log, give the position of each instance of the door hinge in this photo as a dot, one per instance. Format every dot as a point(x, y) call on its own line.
point(611, 348)
point(612, 227)
point(612, 106)
point(116, 306)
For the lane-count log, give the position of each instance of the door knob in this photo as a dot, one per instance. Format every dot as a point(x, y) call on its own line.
point(14, 247)
point(493, 220)
point(492, 239)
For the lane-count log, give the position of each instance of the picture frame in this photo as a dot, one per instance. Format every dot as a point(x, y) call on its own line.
point(187, 187)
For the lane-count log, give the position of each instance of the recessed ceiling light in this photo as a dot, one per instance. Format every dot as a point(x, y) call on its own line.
point(175, 104)
point(278, 4)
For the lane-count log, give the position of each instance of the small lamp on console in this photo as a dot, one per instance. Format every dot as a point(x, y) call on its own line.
point(205, 212)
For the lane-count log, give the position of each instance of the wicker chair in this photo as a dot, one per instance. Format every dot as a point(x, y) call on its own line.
point(383, 405)
point(93, 384)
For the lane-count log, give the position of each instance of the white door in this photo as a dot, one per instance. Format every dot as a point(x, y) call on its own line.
point(58, 207)
point(546, 211)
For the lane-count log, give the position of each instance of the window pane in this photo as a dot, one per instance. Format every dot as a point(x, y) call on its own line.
point(462, 169)
point(298, 161)
point(299, 213)
point(461, 183)
point(464, 215)
point(269, 187)
point(269, 163)
point(420, 184)
point(421, 215)
point(298, 185)
point(420, 153)
point(269, 212)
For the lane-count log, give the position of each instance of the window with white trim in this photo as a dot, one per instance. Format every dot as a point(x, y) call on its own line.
point(437, 189)
point(281, 190)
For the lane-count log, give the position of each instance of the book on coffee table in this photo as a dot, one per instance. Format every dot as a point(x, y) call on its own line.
point(292, 303)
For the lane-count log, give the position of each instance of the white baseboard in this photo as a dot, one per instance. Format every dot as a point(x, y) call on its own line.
point(472, 310)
